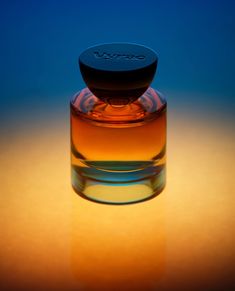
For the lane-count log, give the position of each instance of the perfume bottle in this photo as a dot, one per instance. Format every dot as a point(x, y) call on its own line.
point(118, 126)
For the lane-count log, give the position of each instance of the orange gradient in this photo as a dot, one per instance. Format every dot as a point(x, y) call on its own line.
point(134, 132)
point(141, 143)
point(181, 240)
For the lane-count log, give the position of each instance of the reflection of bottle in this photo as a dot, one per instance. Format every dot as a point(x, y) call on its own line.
point(118, 126)
point(118, 248)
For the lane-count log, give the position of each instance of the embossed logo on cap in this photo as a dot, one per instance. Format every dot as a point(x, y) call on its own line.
point(117, 56)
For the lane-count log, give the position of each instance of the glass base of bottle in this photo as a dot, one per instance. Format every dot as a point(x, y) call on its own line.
point(117, 187)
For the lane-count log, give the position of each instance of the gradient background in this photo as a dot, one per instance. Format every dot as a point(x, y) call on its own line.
point(52, 239)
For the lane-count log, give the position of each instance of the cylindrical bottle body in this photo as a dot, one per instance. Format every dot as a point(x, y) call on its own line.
point(118, 153)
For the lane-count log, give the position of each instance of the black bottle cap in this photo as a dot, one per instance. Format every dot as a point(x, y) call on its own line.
point(118, 73)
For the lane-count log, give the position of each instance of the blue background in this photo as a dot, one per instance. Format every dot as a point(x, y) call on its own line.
point(41, 42)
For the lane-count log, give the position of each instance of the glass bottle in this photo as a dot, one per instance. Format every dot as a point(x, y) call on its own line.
point(118, 126)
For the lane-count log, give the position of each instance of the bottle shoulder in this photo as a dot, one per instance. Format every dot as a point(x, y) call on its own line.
point(87, 106)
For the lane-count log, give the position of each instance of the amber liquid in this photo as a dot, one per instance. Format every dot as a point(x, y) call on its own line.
point(117, 144)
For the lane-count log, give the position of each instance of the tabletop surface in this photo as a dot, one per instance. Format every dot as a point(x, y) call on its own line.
point(52, 239)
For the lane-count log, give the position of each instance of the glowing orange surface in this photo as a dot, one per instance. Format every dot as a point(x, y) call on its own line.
point(181, 240)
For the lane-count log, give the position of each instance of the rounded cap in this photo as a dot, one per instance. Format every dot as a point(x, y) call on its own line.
point(118, 73)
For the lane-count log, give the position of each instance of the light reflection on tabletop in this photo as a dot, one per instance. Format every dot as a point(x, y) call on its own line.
point(181, 240)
